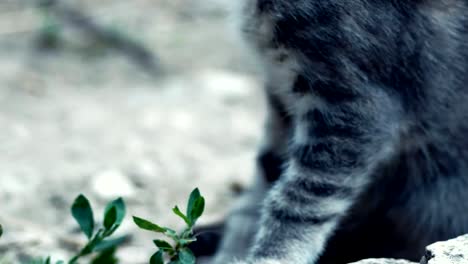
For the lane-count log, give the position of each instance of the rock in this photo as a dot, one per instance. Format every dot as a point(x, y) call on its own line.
point(109, 184)
point(225, 85)
point(383, 261)
point(454, 251)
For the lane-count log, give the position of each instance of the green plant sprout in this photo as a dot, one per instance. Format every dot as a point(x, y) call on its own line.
point(98, 242)
point(102, 248)
point(177, 252)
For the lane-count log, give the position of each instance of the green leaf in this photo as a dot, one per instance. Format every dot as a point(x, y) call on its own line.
point(110, 243)
point(106, 257)
point(47, 261)
point(197, 210)
point(171, 233)
point(112, 220)
point(188, 232)
point(86, 250)
point(83, 214)
point(186, 256)
point(157, 258)
point(147, 225)
point(187, 241)
point(177, 211)
point(195, 206)
point(1, 230)
point(163, 245)
point(120, 205)
point(194, 195)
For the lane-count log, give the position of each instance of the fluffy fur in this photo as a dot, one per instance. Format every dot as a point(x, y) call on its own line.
point(366, 149)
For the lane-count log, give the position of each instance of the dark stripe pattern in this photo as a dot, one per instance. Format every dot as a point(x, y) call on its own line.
point(271, 165)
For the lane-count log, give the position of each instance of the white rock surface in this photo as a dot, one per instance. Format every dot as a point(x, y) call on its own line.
point(383, 261)
point(112, 183)
point(454, 251)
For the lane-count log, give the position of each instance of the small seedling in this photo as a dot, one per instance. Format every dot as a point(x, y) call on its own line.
point(103, 248)
point(98, 241)
point(177, 252)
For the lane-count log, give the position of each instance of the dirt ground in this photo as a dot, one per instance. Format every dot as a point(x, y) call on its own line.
point(77, 120)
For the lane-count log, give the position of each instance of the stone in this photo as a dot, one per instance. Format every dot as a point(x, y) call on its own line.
point(383, 261)
point(453, 251)
point(112, 183)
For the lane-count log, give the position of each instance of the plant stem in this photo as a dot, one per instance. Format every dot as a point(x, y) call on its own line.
point(74, 259)
point(88, 248)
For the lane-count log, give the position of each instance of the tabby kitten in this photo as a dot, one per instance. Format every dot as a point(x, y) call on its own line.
point(366, 148)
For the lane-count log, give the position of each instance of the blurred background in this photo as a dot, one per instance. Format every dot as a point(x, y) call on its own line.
point(144, 99)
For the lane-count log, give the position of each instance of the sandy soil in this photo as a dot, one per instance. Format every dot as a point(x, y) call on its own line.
point(79, 121)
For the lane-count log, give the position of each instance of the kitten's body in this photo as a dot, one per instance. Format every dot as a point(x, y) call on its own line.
point(366, 150)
